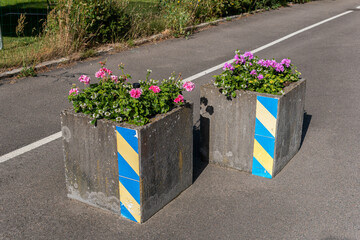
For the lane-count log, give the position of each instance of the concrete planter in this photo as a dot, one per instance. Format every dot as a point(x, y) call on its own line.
point(130, 170)
point(254, 132)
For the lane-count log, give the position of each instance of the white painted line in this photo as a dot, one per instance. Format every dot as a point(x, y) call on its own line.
point(55, 136)
point(201, 74)
point(358, 7)
point(30, 147)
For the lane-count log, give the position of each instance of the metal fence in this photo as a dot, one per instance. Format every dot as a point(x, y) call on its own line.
point(32, 13)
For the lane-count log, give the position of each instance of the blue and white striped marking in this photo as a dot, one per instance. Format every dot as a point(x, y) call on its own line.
point(264, 139)
point(129, 180)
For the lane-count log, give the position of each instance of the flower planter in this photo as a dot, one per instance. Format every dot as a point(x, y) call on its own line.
point(254, 132)
point(130, 170)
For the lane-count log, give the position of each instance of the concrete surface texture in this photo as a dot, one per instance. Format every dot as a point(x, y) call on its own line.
point(254, 132)
point(316, 196)
point(90, 156)
point(140, 168)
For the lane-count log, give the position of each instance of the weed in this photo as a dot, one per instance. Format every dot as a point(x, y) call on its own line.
point(27, 72)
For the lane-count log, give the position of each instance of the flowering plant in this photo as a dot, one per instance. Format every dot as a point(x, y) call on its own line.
point(116, 99)
point(248, 72)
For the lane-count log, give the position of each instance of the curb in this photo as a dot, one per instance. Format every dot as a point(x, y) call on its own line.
point(138, 42)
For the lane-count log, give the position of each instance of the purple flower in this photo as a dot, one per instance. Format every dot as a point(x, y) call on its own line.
point(253, 72)
point(249, 55)
point(286, 61)
point(273, 63)
point(228, 66)
point(279, 67)
point(260, 76)
point(239, 59)
point(261, 62)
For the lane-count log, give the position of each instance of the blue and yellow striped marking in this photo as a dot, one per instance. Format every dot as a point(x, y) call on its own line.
point(264, 138)
point(129, 180)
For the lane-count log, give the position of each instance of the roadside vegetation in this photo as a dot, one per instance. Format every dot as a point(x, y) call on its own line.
point(78, 26)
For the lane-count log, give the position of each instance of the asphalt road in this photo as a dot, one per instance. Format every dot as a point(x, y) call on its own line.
point(316, 196)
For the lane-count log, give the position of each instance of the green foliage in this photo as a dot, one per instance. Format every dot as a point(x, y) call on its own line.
point(106, 20)
point(249, 73)
point(112, 98)
point(75, 24)
point(27, 72)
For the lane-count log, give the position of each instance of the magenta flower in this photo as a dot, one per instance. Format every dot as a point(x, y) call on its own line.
point(115, 78)
point(239, 59)
point(108, 71)
point(100, 73)
point(260, 76)
point(267, 63)
point(155, 89)
point(180, 98)
point(135, 92)
point(85, 79)
point(228, 66)
point(253, 72)
point(286, 61)
point(249, 55)
point(273, 63)
point(279, 67)
point(189, 86)
point(262, 62)
point(74, 90)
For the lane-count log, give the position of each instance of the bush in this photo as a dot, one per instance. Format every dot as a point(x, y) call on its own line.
point(74, 24)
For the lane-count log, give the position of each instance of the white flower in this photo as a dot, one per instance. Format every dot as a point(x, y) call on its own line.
point(119, 119)
point(149, 71)
point(224, 92)
point(107, 114)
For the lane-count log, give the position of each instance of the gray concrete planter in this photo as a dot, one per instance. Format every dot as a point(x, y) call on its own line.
point(130, 170)
point(254, 132)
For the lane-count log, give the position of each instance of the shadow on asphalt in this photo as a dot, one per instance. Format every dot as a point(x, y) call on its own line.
point(306, 124)
point(198, 164)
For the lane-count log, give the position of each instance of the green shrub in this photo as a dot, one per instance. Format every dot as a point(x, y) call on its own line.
point(74, 24)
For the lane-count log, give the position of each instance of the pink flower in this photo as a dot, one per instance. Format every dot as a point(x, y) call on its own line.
point(100, 73)
point(253, 72)
point(228, 66)
point(179, 98)
point(85, 79)
point(249, 55)
point(107, 71)
point(155, 89)
point(279, 67)
point(114, 78)
point(74, 90)
point(260, 76)
point(189, 86)
point(135, 92)
point(286, 61)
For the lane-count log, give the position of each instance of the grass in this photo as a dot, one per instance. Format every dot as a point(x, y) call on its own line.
point(18, 51)
point(146, 16)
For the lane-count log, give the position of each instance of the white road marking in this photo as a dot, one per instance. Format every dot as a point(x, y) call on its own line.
point(29, 147)
point(207, 71)
point(57, 135)
point(358, 7)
